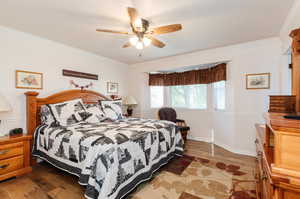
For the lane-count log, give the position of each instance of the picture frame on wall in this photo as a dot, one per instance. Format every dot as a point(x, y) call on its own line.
point(258, 81)
point(29, 80)
point(112, 88)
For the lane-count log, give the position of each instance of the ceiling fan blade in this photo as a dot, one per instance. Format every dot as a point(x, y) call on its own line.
point(113, 31)
point(133, 14)
point(166, 29)
point(126, 45)
point(156, 42)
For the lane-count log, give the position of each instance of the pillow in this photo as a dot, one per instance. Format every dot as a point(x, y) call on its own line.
point(46, 115)
point(96, 113)
point(112, 109)
point(69, 112)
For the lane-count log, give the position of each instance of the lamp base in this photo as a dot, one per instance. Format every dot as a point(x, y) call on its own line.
point(129, 112)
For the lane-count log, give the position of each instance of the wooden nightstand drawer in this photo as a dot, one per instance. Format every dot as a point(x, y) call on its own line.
point(11, 164)
point(11, 150)
point(14, 156)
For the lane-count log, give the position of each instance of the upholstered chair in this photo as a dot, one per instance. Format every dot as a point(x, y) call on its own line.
point(169, 114)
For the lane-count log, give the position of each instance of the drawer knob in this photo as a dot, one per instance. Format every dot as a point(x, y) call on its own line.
point(4, 166)
point(4, 152)
point(256, 141)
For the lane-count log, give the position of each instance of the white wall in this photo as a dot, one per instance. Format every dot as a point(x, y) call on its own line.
point(233, 128)
point(292, 22)
point(27, 52)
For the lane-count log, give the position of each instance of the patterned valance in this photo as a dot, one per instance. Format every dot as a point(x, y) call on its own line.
point(201, 76)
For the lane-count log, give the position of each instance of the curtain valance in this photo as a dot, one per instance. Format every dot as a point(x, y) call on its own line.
point(201, 76)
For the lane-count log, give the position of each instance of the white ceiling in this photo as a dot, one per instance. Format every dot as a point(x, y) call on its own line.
point(206, 23)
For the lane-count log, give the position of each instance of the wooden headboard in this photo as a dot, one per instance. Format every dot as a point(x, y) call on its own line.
point(33, 103)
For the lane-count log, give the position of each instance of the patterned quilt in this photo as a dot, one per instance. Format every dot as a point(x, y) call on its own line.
point(110, 158)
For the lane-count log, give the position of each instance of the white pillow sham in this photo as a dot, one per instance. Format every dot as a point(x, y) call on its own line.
point(95, 113)
point(46, 115)
point(69, 112)
point(112, 109)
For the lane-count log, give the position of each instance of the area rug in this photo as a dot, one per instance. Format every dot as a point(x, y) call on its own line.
point(191, 177)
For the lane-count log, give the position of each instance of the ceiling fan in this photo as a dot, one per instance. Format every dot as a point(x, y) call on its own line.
point(142, 34)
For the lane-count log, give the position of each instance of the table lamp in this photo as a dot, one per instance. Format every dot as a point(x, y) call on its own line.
point(4, 105)
point(129, 101)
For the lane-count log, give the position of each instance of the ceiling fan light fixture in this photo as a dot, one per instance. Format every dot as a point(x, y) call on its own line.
point(138, 23)
point(147, 41)
point(134, 40)
point(139, 45)
point(142, 34)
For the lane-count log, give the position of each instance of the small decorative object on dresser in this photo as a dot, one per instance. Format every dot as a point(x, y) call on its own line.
point(4, 105)
point(130, 102)
point(29, 80)
point(282, 104)
point(14, 156)
point(115, 97)
point(112, 88)
point(258, 81)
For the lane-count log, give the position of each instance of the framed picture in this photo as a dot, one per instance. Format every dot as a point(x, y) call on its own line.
point(258, 81)
point(112, 87)
point(29, 80)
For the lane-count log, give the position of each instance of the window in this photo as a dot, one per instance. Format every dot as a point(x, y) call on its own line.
point(190, 96)
point(157, 96)
point(219, 95)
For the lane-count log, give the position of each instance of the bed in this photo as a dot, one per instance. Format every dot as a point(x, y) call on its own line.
point(110, 158)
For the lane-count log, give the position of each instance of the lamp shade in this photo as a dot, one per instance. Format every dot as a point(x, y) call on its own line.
point(129, 100)
point(4, 105)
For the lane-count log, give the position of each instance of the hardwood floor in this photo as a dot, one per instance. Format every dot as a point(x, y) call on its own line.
point(201, 149)
point(47, 182)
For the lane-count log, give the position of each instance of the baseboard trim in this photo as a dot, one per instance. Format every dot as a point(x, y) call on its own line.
point(201, 139)
point(237, 151)
point(225, 146)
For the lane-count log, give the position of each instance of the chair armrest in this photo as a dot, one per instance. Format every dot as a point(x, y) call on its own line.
point(180, 123)
point(179, 120)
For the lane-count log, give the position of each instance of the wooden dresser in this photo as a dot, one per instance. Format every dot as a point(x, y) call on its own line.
point(14, 156)
point(278, 153)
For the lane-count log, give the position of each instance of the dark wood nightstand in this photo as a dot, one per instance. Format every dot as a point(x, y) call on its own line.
point(14, 156)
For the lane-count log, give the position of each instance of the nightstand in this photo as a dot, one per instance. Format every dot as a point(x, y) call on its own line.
point(14, 156)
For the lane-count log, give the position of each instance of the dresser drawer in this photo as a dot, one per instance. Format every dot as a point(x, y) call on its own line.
point(11, 164)
point(11, 150)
